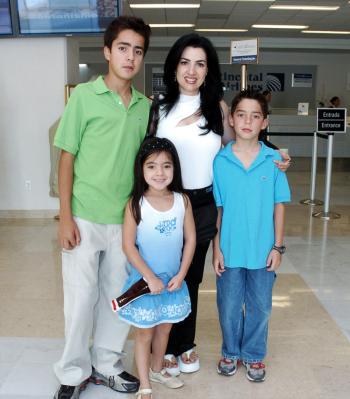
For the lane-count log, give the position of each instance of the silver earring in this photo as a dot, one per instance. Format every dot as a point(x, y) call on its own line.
point(174, 76)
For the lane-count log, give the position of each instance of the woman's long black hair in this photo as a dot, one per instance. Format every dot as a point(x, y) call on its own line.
point(211, 93)
point(153, 145)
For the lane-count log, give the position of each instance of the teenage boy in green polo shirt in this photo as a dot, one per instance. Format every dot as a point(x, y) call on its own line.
point(100, 132)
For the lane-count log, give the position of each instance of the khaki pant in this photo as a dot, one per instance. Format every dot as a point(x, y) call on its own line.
point(93, 274)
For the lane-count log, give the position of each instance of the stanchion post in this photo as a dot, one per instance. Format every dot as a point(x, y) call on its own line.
point(312, 200)
point(326, 215)
point(328, 173)
point(244, 77)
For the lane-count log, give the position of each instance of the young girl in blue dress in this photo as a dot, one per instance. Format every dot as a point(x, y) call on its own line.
point(159, 241)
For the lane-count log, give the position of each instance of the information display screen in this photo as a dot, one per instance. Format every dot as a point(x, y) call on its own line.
point(5, 18)
point(65, 17)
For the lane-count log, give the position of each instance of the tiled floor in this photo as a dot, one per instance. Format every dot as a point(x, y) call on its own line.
point(309, 351)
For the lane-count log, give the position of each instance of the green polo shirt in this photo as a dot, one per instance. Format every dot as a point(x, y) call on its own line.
point(104, 137)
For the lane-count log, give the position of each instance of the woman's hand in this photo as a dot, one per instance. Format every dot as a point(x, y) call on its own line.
point(285, 163)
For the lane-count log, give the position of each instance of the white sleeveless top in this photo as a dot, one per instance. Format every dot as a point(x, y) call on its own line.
point(159, 236)
point(196, 152)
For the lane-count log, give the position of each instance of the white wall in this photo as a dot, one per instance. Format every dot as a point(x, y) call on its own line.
point(32, 78)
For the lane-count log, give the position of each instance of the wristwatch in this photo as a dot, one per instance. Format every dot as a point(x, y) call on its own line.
point(281, 249)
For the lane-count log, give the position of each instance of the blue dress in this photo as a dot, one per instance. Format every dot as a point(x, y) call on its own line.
point(159, 238)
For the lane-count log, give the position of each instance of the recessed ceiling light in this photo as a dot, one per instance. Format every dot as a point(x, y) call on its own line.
point(221, 30)
point(327, 32)
point(313, 8)
point(171, 25)
point(151, 5)
point(265, 26)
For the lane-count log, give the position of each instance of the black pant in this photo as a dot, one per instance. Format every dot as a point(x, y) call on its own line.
point(182, 334)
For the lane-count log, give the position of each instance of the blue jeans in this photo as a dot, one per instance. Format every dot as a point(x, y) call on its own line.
point(244, 299)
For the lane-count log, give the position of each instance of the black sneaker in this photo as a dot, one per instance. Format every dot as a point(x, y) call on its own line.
point(123, 382)
point(70, 392)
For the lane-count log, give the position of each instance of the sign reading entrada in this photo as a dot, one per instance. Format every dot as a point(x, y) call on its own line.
point(331, 120)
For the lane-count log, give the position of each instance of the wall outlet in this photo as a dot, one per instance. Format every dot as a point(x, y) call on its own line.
point(28, 185)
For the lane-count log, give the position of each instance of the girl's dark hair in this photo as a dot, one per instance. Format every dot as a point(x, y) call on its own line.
point(153, 145)
point(251, 95)
point(211, 93)
point(125, 22)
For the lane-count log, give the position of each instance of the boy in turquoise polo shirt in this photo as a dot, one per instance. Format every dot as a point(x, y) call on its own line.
point(99, 134)
point(249, 192)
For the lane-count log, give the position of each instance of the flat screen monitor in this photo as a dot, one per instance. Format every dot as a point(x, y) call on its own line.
point(65, 17)
point(5, 18)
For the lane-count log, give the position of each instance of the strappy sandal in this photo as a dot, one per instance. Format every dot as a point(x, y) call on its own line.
point(163, 378)
point(174, 370)
point(191, 367)
point(143, 391)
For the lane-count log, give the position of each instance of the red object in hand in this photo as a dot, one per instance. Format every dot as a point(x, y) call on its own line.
point(135, 291)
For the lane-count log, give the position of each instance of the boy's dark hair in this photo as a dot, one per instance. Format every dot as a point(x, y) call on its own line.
point(266, 92)
point(127, 22)
point(150, 146)
point(211, 92)
point(251, 95)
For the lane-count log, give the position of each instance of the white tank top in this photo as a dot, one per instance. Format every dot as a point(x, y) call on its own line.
point(159, 236)
point(196, 152)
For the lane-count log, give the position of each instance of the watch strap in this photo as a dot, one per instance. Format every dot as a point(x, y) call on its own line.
point(281, 249)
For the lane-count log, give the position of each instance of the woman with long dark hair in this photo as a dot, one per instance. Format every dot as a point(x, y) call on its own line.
point(194, 117)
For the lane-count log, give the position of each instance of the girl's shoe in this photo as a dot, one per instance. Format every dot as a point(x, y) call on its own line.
point(143, 391)
point(190, 367)
point(163, 378)
point(175, 369)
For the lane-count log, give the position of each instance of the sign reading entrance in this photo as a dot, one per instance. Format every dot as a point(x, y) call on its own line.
point(331, 120)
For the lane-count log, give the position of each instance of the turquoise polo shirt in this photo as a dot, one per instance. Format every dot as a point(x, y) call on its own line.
point(104, 137)
point(248, 197)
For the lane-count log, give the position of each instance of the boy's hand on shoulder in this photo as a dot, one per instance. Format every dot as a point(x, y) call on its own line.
point(218, 262)
point(273, 261)
point(69, 234)
point(175, 283)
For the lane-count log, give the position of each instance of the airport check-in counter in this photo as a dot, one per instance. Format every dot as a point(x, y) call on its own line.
point(295, 132)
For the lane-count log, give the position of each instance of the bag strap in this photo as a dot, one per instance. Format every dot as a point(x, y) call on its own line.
point(153, 118)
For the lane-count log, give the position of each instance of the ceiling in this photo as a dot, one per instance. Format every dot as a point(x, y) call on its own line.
point(242, 15)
